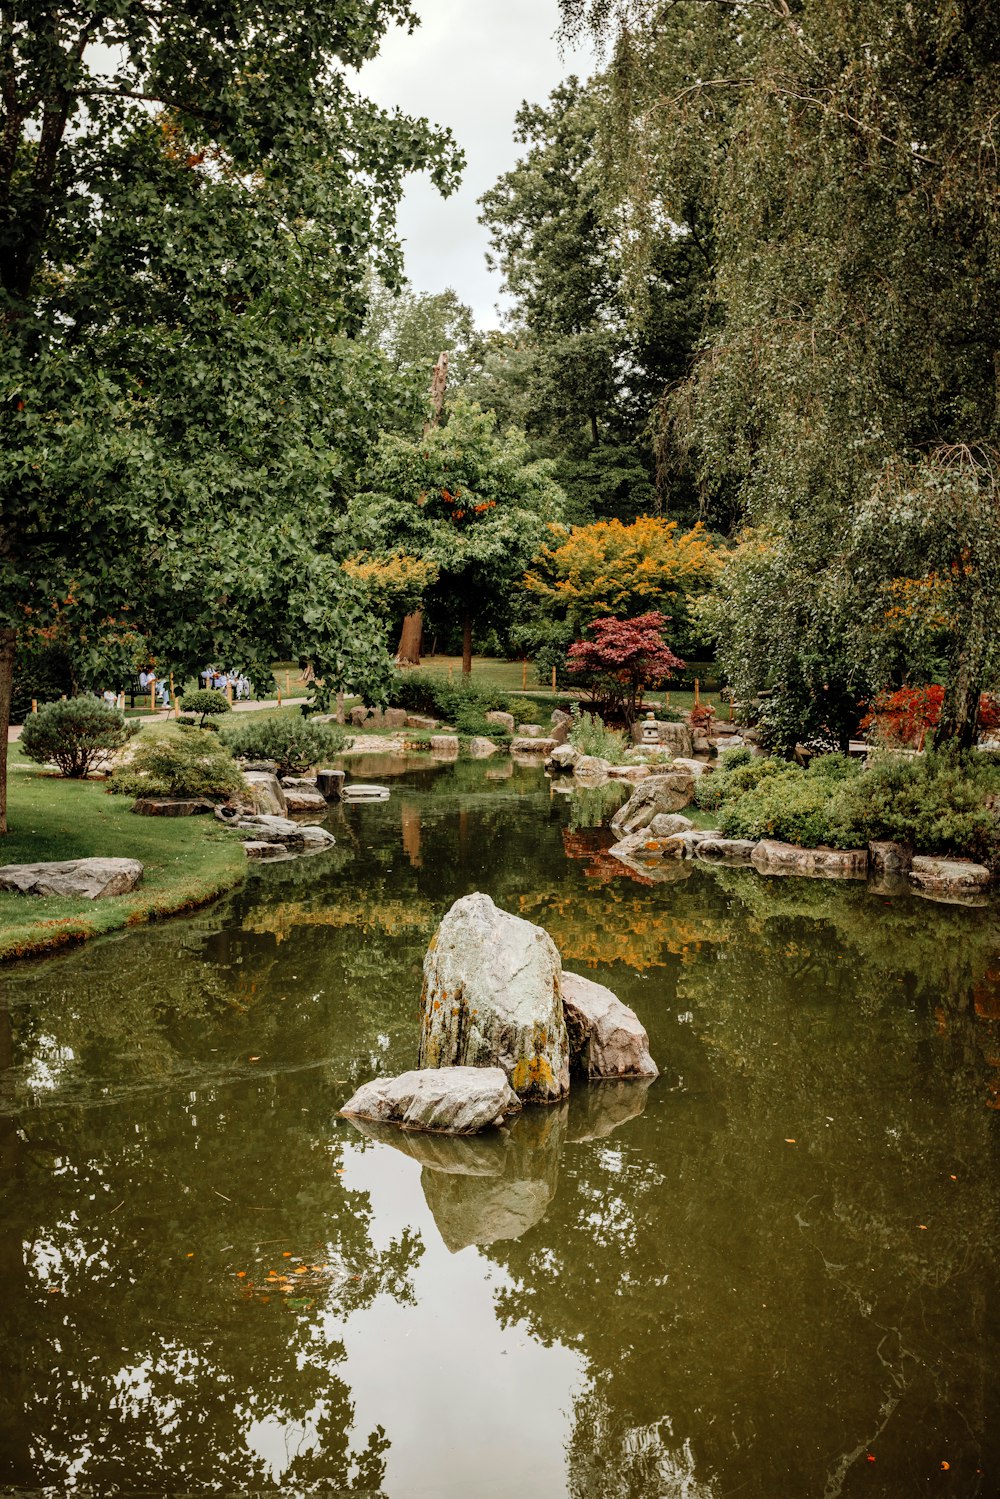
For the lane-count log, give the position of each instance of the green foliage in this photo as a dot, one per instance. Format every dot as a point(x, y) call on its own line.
point(791, 804)
point(461, 703)
point(734, 777)
point(187, 764)
point(293, 743)
point(591, 736)
point(934, 802)
point(79, 735)
point(205, 703)
point(42, 674)
point(186, 233)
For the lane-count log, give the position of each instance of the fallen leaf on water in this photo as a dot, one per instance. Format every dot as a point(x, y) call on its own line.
point(253, 1059)
point(954, 1178)
point(190, 1256)
point(339, 1171)
point(301, 1269)
point(945, 1467)
point(921, 1225)
point(789, 1142)
point(241, 1275)
point(871, 1457)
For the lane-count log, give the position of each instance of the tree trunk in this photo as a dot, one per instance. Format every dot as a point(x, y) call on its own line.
point(467, 646)
point(408, 652)
point(8, 640)
point(959, 721)
point(594, 432)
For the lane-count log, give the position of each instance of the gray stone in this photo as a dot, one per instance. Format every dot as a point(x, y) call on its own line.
point(359, 716)
point(532, 746)
point(529, 730)
point(726, 850)
point(265, 852)
point(772, 857)
point(266, 792)
point(591, 767)
point(444, 746)
point(172, 806)
point(565, 756)
point(948, 879)
point(361, 791)
point(559, 732)
point(395, 718)
point(421, 721)
point(887, 857)
point(315, 838)
point(695, 768)
point(503, 721)
point(559, 715)
point(667, 824)
point(666, 791)
point(678, 737)
point(481, 749)
point(304, 798)
point(606, 1038)
point(330, 783)
point(290, 837)
point(442, 1100)
point(84, 879)
point(628, 772)
point(491, 998)
point(701, 744)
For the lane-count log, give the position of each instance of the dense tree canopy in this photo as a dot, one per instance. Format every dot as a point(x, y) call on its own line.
point(844, 157)
point(188, 200)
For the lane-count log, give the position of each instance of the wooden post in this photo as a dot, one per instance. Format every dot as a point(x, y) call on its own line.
point(152, 694)
point(451, 672)
point(553, 679)
point(229, 693)
point(279, 694)
point(524, 675)
point(288, 688)
point(666, 699)
point(697, 694)
point(34, 705)
point(729, 705)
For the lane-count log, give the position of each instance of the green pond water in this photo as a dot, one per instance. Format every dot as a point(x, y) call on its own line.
point(772, 1273)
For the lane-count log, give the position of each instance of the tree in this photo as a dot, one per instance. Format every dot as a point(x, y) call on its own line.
point(466, 500)
point(611, 569)
point(412, 328)
point(840, 156)
point(182, 240)
point(585, 372)
point(624, 658)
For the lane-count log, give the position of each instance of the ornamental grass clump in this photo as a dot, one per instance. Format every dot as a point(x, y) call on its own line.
point(191, 764)
point(79, 735)
point(591, 736)
point(292, 742)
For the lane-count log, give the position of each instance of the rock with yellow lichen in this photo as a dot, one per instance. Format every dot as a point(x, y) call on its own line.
point(492, 998)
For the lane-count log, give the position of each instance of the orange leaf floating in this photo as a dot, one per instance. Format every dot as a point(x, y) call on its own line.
point(286, 1254)
point(241, 1275)
point(301, 1269)
point(945, 1467)
point(789, 1142)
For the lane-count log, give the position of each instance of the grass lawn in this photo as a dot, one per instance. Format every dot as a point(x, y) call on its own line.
point(189, 860)
point(508, 676)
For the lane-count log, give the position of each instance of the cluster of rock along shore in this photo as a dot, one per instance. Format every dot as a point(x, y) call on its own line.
point(502, 1025)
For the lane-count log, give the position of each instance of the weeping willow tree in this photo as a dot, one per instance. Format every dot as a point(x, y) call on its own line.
point(840, 158)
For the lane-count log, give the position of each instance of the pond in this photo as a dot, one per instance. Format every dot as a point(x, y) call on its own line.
point(771, 1273)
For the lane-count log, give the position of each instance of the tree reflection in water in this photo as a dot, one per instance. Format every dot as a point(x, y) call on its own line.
point(774, 1261)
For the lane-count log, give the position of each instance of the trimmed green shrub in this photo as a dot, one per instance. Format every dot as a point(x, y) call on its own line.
point(590, 736)
point(79, 735)
point(735, 778)
point(205, 703)
point(934, 802)
point(191, 764)
point(794, 807)
point(456, 702)
point(293, 743)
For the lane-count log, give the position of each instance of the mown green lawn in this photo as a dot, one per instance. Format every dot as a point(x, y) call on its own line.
point(188, 860)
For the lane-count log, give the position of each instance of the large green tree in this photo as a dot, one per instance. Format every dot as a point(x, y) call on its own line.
point(467, 500)
point(583, 369)
point(845, 156)
point(189, 198)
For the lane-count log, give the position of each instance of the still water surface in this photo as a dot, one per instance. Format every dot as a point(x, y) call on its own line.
point(773, 1273)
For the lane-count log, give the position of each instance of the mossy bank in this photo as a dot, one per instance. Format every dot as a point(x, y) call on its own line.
point(188, 861)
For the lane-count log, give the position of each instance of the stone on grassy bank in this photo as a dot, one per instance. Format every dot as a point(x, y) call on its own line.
point(949, 879)
point(172, 806)
point(491, 997)
point(266, 793)
point(442, 1100)
point(83, 879)
point(606, 1038)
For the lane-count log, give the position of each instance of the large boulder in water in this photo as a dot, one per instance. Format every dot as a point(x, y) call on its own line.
point(492, 998)
point(664, 792)
point(445, 1100)
point(606, 1038)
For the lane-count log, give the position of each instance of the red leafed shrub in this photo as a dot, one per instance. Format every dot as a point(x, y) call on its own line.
point(624, 658)
point(909, 714)
point(701, 717)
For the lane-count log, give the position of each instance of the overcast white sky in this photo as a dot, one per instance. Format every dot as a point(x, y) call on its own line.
point(469, 66)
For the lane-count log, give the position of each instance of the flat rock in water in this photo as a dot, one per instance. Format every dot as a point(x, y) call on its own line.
point(303, 798)
point(444, 746)
point(949, 879)
point(726, 850)
point(442, 1100)
point(86, 879)
point(772, 857)
point(358, 791)
point(491, 998)
point(532, 745)
point(606, 1038)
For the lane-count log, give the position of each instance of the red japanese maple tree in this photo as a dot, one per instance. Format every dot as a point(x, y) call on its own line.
point(624, 658)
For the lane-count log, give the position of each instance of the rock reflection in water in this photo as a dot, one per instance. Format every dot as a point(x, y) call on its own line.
point(500, 1184)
